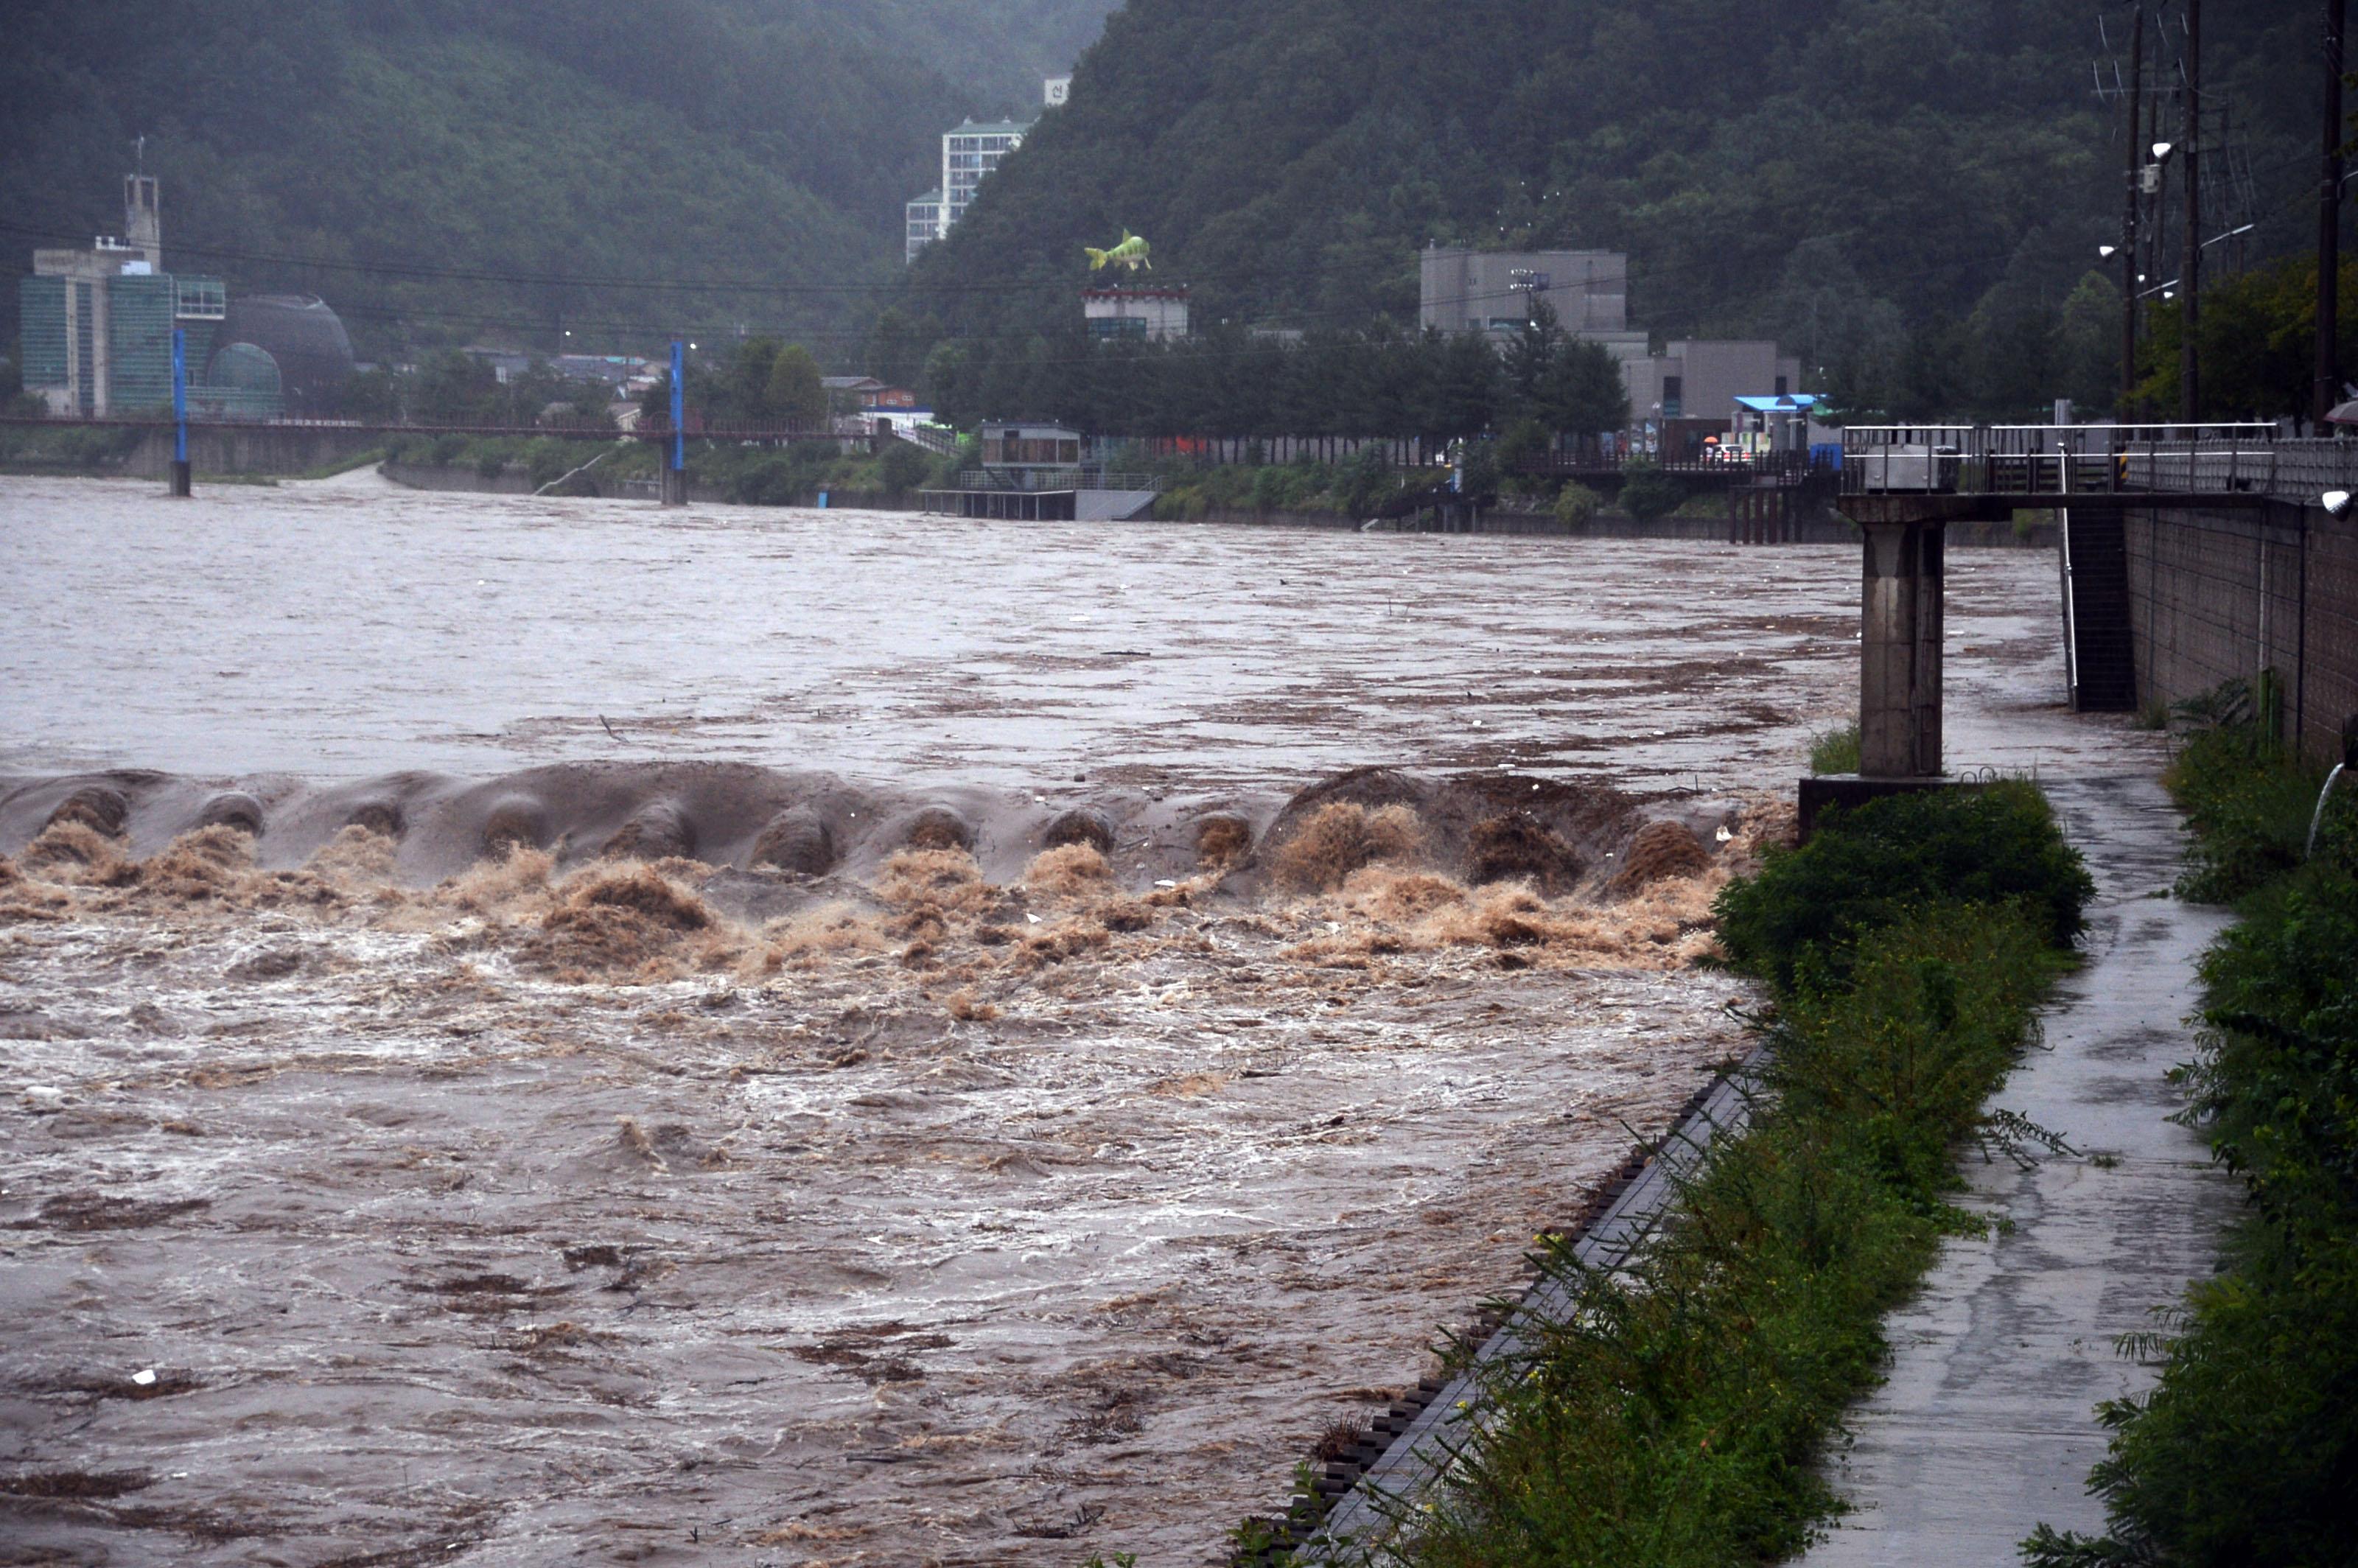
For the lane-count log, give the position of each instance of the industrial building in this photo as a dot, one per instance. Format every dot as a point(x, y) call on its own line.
point(303, 340)
point(1694, 381)
point(96, 324)
point(1495, 293)
point(1154, 312)
point(1699, 379)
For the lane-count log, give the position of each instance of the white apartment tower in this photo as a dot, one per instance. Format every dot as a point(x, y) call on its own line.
point(968, 153)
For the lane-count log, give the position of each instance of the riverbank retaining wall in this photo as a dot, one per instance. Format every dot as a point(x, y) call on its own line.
point(465, 477)
point(2223, 595)
point(263, 449)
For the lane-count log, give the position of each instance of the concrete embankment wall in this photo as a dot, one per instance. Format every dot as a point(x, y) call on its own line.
point(2221, 595)
point(263, 449)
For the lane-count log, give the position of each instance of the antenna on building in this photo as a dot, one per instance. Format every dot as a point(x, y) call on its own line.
point(139, 155)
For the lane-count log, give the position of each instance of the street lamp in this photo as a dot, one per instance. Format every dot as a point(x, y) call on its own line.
point(2161, 151)
point(2106, 252)
point(2335, 502)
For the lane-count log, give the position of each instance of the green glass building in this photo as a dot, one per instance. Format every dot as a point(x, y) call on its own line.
point(95, 325)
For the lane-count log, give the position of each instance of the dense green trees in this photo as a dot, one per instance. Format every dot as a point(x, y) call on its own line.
point(793, 390)
point(756, 381)
point(1229, 382)
point(2258, 342)
point(369, 150)
point(449, 387)
point(1906, 196)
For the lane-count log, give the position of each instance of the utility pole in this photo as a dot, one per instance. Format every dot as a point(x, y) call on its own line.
point(2189, 275)
point(2329, 230)
point(2129, 224)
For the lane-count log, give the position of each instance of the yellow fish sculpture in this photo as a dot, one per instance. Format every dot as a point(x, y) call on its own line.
point(1131, 253)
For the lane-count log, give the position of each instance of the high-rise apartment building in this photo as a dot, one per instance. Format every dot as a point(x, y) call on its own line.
point(969, 153)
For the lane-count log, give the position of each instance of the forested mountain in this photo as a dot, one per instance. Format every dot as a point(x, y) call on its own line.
point(1906, 195)
point(995, 51)
point(392, 144)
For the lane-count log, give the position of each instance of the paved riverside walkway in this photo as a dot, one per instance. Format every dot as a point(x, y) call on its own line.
point(1987, 1426)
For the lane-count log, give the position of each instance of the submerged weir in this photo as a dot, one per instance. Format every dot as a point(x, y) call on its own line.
point(504, 1108)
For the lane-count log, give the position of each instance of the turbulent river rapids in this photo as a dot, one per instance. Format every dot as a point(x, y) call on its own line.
point(541, 1031)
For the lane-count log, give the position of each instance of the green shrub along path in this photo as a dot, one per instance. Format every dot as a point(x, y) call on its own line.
point(1677, 1416)
point(2246, 1451)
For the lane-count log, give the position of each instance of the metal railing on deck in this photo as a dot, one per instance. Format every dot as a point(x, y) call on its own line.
point(2056, 459)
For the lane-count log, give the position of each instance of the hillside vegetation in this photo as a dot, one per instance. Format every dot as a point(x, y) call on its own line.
point(1909, 196)
point(393, 143)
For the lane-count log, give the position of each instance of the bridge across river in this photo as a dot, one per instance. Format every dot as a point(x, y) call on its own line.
point(1903, 485)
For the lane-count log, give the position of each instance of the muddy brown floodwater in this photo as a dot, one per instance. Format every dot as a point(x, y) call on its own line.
point(762, 1036)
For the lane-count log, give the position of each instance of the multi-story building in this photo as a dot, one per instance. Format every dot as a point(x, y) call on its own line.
point(1155, 312)
point(969, 153)
point(1700, 380)
point(924, 223)
point(96, 322)
point(96, 325)
point(1495, 293)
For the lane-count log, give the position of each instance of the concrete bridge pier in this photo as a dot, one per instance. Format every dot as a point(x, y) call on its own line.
point(1900, 624)
point(1899, 650)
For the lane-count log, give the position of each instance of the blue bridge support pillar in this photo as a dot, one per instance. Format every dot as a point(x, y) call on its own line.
point(675, 469)
point(181, 475)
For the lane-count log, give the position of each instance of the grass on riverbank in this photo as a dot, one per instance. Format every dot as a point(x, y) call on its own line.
point(1835, 752)
point(2247, 1449)
point(1679, 1416)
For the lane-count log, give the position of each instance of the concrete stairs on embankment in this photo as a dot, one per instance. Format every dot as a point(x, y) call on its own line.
point(2100, 657)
